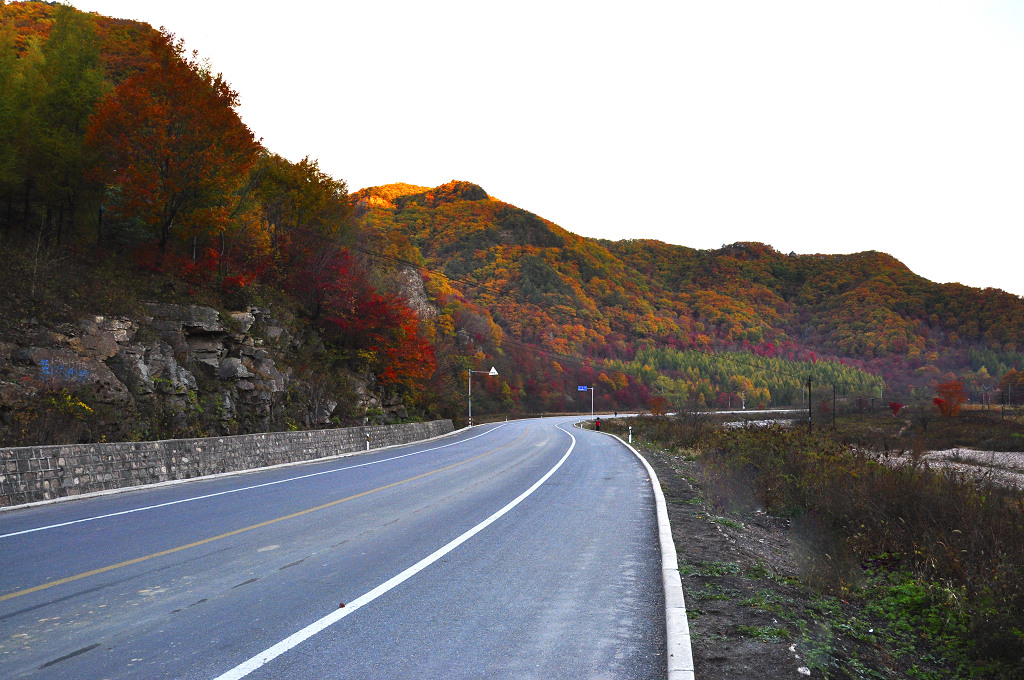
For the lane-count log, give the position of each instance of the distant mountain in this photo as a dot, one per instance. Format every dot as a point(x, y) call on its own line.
point(557, 291)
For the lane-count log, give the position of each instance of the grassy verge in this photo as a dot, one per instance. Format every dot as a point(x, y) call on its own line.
point(933, 562)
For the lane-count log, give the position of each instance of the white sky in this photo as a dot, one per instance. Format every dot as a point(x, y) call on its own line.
point(813, 126)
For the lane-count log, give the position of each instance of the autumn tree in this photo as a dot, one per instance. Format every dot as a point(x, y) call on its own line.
point(951, 398)
point(379, 330)
point(20, 84)
point(72, 82)
point(304, 209)
point(171, 141)
point(659, 406)
point(8, 110)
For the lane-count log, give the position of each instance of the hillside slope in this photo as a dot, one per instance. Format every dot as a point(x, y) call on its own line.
point(564, 293)
point(125, 170)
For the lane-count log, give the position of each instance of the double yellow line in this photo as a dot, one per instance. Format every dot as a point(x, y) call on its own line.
point(300, 513)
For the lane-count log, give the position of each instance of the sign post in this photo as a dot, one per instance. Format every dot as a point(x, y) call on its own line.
point(470, 373)
point(584, 388)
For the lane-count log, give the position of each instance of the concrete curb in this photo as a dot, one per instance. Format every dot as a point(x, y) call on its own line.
point(679, 655)
point(217, 475)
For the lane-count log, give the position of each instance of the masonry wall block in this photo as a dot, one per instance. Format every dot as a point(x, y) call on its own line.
point(37, 473)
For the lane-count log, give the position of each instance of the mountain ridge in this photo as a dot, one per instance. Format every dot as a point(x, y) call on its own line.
point(540, 282)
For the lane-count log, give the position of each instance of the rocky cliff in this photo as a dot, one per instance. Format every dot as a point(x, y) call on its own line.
point(175, 371)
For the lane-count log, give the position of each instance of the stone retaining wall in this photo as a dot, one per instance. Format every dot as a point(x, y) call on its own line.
point(36, 473)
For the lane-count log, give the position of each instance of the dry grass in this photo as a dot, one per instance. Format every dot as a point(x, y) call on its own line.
point(959, 538)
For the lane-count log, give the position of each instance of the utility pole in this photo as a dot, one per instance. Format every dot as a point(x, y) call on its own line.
point(833, 407)
point(809, 407)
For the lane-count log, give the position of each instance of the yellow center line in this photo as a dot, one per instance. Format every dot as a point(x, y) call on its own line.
point(300, 513)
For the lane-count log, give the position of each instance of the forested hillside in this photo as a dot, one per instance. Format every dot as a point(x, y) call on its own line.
point(559, 293)
point(123, 159)
point(127, 178)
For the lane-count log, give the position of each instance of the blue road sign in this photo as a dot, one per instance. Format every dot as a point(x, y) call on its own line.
point(582, 388)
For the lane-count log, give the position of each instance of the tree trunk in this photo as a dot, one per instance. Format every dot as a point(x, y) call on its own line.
point(222, 266)
point(165, 235)
point(25, 211)
point(72, 211)
point(99, 227)
point(60, 222)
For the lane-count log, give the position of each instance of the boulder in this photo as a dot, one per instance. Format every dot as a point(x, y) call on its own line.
point(232, 368)
point(227, 411)
point(63, 369)
point(191, 317)
point(152, 369)
point(98, 345)
point(129, 364)
point(168, 376)
point(121, 330)
point(244, 319)
point(207, 349)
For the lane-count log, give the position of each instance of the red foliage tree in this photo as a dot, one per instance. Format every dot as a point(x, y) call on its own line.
point(380, 328)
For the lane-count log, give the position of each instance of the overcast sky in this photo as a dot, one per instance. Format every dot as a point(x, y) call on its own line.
point(813, 126)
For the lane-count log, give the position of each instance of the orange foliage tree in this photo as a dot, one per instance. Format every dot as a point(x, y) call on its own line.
point(172, 144)
point(659, 406)
point(951, 397)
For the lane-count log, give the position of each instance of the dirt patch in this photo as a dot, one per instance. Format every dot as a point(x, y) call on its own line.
point(750, 615)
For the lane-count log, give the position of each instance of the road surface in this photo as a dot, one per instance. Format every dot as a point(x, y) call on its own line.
point(525, 549)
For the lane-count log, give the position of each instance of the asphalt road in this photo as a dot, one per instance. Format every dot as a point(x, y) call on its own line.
point(517, 550)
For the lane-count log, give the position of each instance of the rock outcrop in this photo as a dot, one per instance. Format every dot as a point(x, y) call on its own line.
point(177, 370)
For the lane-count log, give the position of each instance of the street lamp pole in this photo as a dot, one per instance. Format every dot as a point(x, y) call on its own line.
point(470, 373)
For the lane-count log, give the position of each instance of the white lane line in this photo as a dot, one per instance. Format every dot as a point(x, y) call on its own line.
point(244, 488)
point(246, 667)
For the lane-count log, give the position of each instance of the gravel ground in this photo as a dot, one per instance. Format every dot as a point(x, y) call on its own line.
point(1003, 467)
